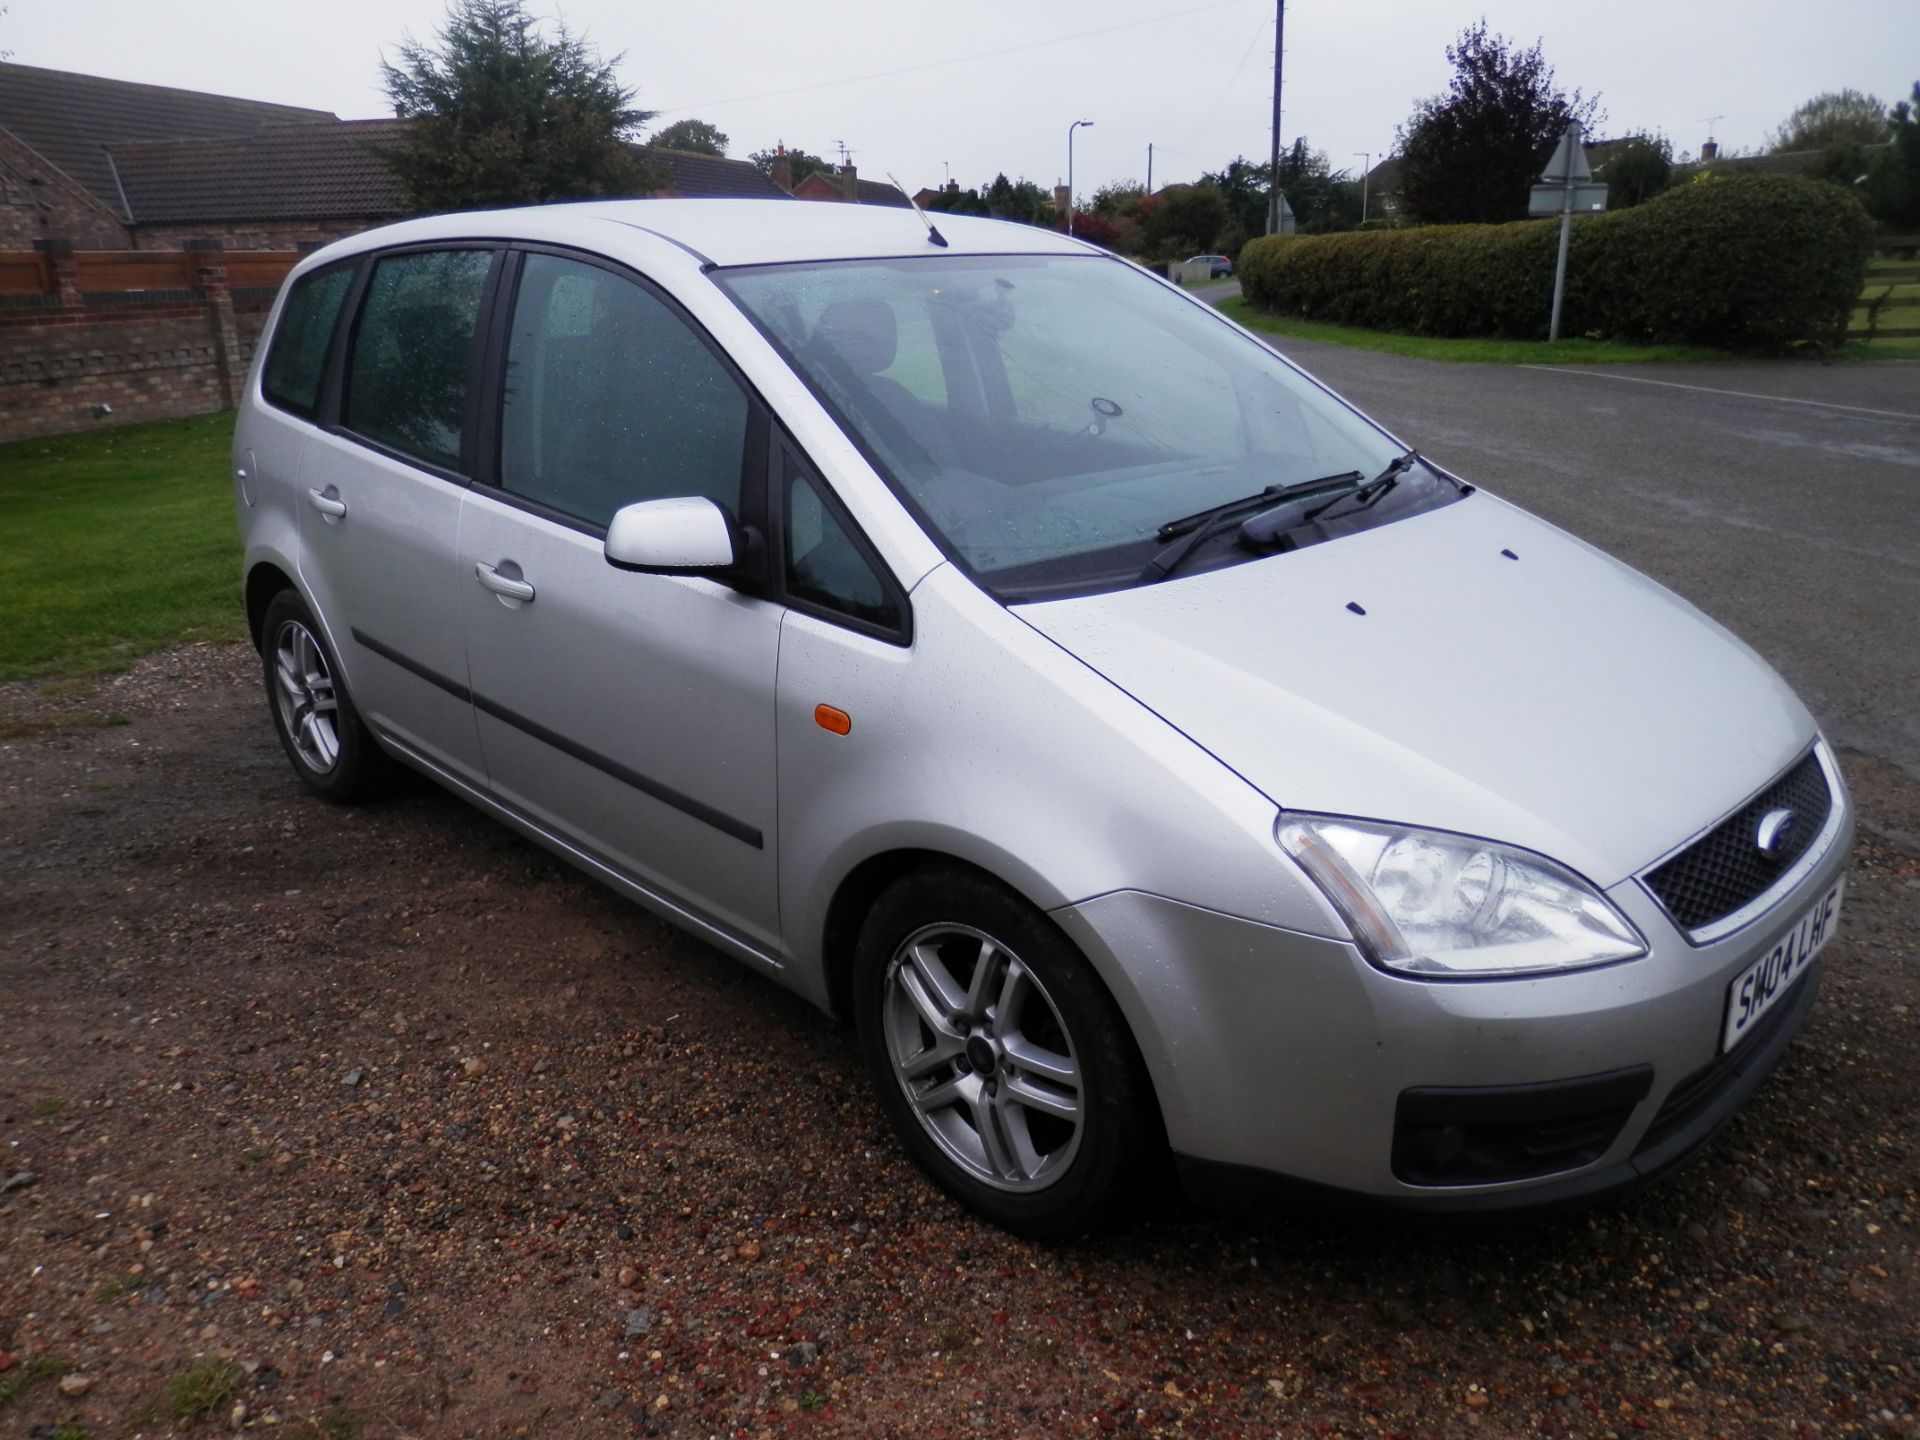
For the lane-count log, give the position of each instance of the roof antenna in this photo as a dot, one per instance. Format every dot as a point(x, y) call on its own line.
point(934, 237)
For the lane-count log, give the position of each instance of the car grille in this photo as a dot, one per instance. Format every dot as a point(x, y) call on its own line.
point(1724, 869)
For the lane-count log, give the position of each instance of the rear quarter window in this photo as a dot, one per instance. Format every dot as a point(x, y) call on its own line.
point(297, 357)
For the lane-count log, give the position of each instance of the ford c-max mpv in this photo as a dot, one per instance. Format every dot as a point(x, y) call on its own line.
point(1148, 753)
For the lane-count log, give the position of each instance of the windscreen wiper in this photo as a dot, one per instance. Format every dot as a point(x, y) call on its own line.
point(1364, 495)
point(1188, 533)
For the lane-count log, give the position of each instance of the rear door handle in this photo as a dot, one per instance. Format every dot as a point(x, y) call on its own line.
point(331, 506)
point(502, 584)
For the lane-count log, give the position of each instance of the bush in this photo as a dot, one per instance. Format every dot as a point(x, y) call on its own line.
point(1743, 261)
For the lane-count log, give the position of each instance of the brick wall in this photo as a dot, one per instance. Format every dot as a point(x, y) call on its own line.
point(160, 353)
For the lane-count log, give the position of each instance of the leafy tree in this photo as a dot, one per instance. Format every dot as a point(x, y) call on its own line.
point(1318, 194)
point(1021, 200)
point(958, 202)
point(696, 136)
point(800, 164)
point(1183, 220)
point(1837, 117)
point(1098, 228)
point(1244, 186)
point(1117, 197)
point(1637, 170)
point(1893, 178)
point(503, 115)
point(1471, 154)
point(1315, 191)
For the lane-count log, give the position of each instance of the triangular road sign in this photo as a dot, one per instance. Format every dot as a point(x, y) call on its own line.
point(1569, 160)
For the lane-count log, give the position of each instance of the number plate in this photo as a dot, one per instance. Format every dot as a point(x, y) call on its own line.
point(1763, 984)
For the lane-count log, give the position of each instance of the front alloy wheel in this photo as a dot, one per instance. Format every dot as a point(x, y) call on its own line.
point(983, 1057)
point(1005, 1066)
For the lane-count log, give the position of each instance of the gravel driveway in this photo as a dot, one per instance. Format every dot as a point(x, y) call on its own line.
point(420, 1133)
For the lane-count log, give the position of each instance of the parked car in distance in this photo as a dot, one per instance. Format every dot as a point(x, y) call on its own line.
point(1222, 266)
point(1145, 751)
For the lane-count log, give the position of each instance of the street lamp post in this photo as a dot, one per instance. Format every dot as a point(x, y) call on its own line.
point(1070, 129)
point(1366, 174)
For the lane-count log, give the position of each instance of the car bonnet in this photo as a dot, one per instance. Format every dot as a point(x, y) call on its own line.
point(1470, 669)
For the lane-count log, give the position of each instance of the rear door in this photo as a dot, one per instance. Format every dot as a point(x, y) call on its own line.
point(630, 714)
point(381, 493)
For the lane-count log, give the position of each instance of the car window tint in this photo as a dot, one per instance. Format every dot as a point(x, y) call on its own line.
point(824, 565)
point(407, 378)
point(611, 398)
point(297, 358)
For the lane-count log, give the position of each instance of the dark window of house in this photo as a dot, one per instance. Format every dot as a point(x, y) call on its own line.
point(298, 358)
point(824, 565)
point(611, 398)
point(407, 378)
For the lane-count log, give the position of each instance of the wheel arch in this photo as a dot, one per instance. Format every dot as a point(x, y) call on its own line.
point(857, 891)
point(264, 581)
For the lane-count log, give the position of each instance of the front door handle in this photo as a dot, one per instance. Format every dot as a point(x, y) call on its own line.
point(328, 503)
point(502, 584)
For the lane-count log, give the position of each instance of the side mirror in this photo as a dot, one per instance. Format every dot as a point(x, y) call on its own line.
point(686, 535)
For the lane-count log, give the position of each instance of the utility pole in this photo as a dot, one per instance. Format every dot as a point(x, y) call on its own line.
point(1273, 171)
point(1366, 174)
point(1149, 167)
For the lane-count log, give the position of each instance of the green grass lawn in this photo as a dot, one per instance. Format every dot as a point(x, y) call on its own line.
point(1527, 352)
point(1496, 352)
point(114, 544)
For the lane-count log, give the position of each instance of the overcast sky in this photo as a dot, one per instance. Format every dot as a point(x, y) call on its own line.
point(912, 87)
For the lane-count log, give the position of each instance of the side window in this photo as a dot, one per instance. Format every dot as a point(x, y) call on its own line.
point(824, 566)
point(610, 398)
point(407, 377)
point(297, 359)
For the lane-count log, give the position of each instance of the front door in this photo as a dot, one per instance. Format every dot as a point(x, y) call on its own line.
point(632, 715)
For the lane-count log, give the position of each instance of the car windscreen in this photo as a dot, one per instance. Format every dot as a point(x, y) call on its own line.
point(1048, 417)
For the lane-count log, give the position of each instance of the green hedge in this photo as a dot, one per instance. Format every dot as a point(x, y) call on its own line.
point(1742, 261)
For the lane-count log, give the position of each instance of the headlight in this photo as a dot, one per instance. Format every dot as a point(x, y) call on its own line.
point(1425, 903)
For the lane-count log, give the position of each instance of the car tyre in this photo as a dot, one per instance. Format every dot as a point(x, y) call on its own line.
point(333, 752)
point(1002, 1061)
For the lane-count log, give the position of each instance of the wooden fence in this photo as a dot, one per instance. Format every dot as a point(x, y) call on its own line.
point(1889, 307)
point(99, 272)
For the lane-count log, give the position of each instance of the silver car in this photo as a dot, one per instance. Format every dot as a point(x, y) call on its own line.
point(1149, 754)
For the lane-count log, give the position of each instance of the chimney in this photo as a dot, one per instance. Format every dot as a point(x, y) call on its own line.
point(953, 187)
point(1709, 150)
point(850, 182)
point(782, 169)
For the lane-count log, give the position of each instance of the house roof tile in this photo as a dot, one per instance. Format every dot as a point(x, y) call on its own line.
point(687, 173)
point(71, 118)
point(289, 172)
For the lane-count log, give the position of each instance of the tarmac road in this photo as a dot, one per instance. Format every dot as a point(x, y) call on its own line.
point(1781, 498)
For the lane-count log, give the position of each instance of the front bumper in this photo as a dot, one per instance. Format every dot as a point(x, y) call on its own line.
point(1279, 1054)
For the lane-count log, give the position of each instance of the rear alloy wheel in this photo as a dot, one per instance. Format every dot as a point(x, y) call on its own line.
point(331, 749)
point(1000, 1058)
